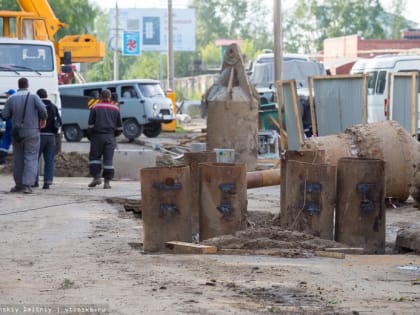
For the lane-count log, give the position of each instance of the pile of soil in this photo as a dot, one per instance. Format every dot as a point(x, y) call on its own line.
point(71, 164)
point(67, 164)
point(264, 236)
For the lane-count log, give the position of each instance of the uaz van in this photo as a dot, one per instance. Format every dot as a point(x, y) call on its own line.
point(143, 107)
point(377, 70)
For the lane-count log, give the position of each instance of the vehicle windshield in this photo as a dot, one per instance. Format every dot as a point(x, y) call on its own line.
point(376, 82)
point(371, 81)
point(151, 89)
point(25, 57)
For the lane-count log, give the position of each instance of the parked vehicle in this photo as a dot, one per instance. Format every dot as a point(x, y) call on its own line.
point(294, 67)
point(378, 70)
point(143, 106)
point(32, 59)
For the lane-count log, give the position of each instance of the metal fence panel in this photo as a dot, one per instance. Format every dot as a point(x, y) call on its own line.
point(339, 102)
point(294, 127)
point(403, 108)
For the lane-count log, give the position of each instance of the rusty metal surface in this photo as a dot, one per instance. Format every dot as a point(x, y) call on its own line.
point(360, 214)
point(232, 107)
point(384, 140)
point(193, 159)
point(166, 206)
point(310, 198)
point(262, 178)
point(223, 199)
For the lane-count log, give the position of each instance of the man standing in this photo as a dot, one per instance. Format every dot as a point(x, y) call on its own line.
point(6, 140)
point(28, 114)
point(104, 125)
point(48, 139)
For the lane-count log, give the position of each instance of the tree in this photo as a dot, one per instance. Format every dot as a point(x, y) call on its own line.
point(398, 21)
point(332, 18)
point(209, 22)
point(233, 19)
point(78, 14)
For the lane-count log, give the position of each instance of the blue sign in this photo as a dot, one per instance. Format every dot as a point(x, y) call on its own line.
point(131, 44)
point(151, 30)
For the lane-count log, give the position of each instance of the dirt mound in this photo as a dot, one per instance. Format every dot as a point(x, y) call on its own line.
point(67, 164)
point(71, 164)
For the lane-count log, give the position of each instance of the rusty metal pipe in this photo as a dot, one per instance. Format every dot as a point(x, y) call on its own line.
point(269, 177)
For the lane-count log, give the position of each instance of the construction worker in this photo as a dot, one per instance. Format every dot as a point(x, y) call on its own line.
point(6, 140)
point(28, 115)
point(103, 126)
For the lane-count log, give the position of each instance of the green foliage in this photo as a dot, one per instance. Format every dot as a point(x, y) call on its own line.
point(398, 21)
point(233, 19)
point(211, 55)
point(183, 94)
point(144, 66)
point(78, 14)
point(9, 5)
point(311, 22)
point(209, 22)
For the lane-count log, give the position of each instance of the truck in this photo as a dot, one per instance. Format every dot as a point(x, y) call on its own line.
point(32, 59)
point(37, 21)
point(377, 70)
point(143, 107)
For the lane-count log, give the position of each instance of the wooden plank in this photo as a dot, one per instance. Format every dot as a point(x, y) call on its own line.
point(330, 254)
point(346, 250)
point(177, 247)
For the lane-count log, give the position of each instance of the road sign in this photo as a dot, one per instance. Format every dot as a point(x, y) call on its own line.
point(131, 44)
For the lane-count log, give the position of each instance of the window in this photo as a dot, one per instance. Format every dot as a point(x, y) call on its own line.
point(380, 87)
point(24, 57)
point(94, 93)
point(128, 91)
point(371, 82)
point(151, 89)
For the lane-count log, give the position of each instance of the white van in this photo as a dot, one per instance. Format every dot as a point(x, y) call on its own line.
point(143, 107)
point(378, 70)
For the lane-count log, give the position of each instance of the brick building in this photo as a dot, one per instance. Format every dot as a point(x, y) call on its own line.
point(340, 53)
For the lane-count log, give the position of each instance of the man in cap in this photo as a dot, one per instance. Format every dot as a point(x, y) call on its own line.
point(6, 140)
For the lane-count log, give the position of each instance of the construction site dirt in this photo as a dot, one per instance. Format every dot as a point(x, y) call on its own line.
point(78, 250)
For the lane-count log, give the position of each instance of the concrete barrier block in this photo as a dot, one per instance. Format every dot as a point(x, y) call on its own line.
point(127, 163)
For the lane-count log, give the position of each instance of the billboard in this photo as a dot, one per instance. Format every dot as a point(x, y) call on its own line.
point(152, 25)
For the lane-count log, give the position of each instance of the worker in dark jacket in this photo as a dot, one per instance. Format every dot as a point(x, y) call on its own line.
point(104, 125)
point(48, 139)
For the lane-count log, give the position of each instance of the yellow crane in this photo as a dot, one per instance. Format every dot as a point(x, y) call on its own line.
point(37, 21)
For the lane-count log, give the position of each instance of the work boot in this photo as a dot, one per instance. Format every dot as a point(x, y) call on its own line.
point(95, 182)
point(27, 190)
point(16, 189)
point(106, 184)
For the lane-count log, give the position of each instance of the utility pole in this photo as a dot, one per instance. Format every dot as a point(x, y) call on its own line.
point(278, 39)
point(170, 48)
point(116, 52)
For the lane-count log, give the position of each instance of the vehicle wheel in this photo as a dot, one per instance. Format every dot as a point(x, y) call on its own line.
point(152, 130)
point(72, 133)
point(131, 129)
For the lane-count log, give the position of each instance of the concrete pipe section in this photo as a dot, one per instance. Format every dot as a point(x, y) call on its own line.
point(386, 140)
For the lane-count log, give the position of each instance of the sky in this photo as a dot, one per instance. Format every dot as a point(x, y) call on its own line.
point(411, 11)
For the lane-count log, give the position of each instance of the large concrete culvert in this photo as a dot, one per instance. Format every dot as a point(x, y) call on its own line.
point(387, 141)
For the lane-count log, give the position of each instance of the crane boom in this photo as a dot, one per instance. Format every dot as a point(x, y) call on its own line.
point(43, 9)
point(37, 21)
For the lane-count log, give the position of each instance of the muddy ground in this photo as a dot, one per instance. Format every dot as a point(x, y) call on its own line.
point(73, 250)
